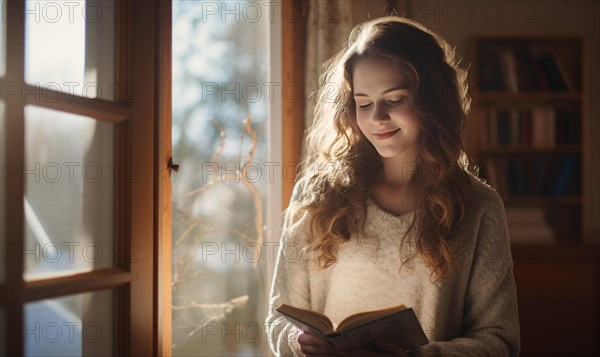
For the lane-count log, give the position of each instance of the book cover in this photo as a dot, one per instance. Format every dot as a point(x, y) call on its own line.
point(540, 127)
point(528, 225)
point(562, 128)
point(515, 132)
point(490, 76)
point(527, 127)
point(509, 70)
point(563, 73)
point(493, 127)
point(551, 127)
point(551, 69)
point(525, 214)
point(524, 127)
point(395, 324)
point(565, 177)
point(528, 79)
point(567, 128)
point(517, 177)
point(541, 76)
point(503, 119)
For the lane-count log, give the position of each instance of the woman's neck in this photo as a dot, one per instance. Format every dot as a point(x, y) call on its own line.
point(398, 170)
point(396, 197)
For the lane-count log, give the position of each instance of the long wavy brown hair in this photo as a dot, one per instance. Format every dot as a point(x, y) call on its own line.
point(330, 197)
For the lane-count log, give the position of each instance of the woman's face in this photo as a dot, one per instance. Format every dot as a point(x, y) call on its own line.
point(384, 109)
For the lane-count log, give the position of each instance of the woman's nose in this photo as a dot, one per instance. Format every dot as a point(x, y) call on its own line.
point(380, 114)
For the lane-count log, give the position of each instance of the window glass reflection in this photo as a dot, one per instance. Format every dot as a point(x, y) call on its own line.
point(69, 47)
point(69, 179)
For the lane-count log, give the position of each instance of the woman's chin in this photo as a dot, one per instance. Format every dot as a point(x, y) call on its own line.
point(387, 153)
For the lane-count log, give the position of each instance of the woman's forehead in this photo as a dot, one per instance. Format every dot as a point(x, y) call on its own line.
point(374, 75)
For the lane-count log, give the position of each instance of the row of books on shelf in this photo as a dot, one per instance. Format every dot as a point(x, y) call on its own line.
point(536, 177)
point(518, 69)
point(537, 127)
point(528, 225)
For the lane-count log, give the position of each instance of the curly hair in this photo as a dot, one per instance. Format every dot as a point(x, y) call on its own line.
point(340, 166)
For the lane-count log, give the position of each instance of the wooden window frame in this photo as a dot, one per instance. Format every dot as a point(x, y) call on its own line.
point(142, 272)
point(293, 67)
point(141, 114)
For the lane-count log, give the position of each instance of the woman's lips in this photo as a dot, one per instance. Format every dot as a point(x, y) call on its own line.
point(386, 135)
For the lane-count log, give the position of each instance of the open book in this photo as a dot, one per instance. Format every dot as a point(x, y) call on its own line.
point(398, 325)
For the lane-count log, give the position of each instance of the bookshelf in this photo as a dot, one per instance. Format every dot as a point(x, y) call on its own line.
point(526, 132)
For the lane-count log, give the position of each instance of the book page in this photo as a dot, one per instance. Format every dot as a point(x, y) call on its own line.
point(306, 317)
point(364, 317)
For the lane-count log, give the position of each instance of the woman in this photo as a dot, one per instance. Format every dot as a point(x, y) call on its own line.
point(386, 210)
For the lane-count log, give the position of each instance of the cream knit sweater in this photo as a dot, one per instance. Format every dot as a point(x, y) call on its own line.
point(473, 313)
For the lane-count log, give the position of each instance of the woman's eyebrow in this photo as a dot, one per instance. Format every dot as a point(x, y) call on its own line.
point(404, 88)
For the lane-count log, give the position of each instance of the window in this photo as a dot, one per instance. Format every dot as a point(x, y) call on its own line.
point(77, 121)
point(86, 88)
point(226, 194)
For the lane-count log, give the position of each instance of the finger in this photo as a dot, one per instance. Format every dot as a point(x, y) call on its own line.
point(309, 339)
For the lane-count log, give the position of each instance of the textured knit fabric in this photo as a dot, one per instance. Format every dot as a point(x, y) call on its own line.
point(472, 313)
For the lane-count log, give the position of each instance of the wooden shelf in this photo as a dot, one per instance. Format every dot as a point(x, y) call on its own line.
point(530, 143)
point(521, 150)
point(527, 123)
point(542, 201)
point(524, 97)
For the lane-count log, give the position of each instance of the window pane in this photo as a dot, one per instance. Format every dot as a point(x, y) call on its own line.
point(219, 297)
point(76, 325)
point(68, 177)
point(69, 46)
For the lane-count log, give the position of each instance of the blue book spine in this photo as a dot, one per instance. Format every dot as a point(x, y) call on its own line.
point(565, 176)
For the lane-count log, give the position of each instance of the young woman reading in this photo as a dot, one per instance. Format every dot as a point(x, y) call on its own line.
point(387, 211)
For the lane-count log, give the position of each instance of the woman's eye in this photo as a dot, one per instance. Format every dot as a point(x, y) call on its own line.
point(401, 100)
point(364, 106)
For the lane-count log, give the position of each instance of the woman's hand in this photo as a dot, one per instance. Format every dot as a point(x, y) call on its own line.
point(311, 344)
point(385, 349)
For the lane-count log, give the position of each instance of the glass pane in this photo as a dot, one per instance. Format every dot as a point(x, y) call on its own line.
point(70, 46)
point(219, 290)
point(76, 325)
point(68, 177)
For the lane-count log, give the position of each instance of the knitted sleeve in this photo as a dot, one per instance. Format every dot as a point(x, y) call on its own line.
point(490, 324)
point(289, 286)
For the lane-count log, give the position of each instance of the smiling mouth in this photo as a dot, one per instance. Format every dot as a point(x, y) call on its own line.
point(389, 134)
